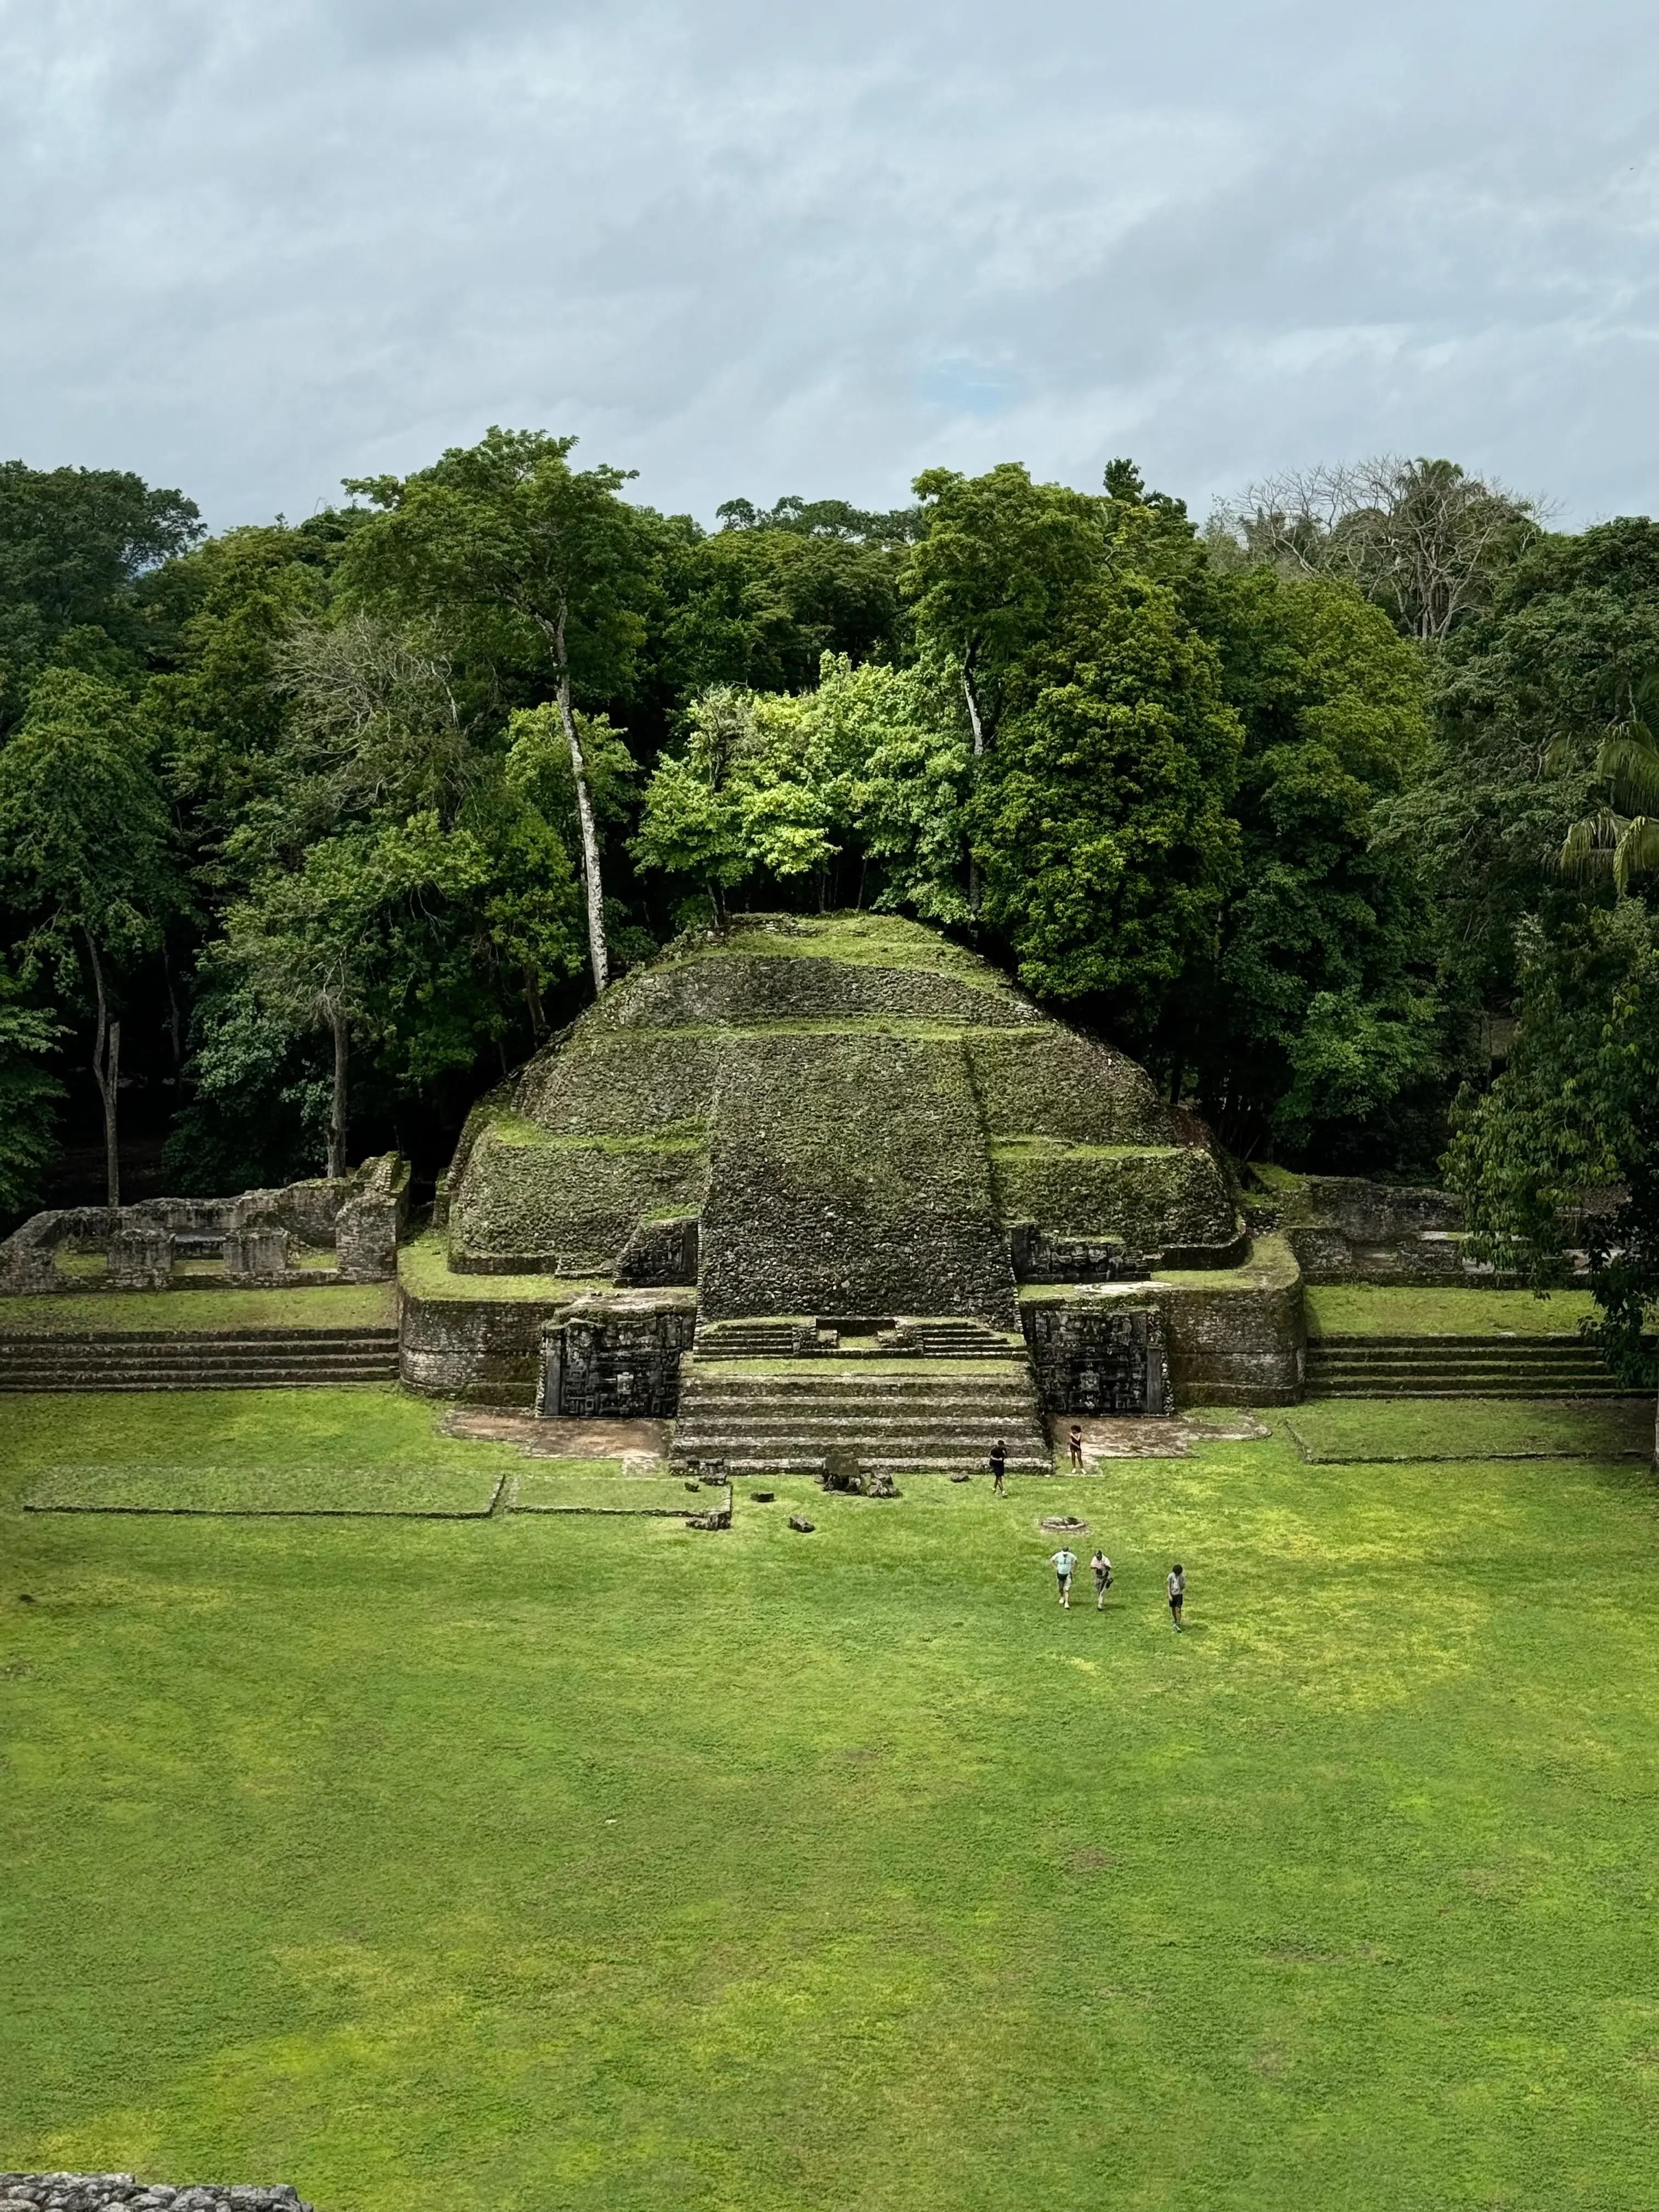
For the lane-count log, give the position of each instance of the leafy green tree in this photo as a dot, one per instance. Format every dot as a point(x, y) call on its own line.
point(1321, 1010)
point(1523, 695)
point(27, 1095)
point(992, 575)
point(1574, 1119)
point(85, 855)
point(74, 544)
point(507, 539)
point(760, 603)
point(1620, 840)
point(1101, 815)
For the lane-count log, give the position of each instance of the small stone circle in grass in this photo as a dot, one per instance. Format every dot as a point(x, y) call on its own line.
point(1063, 1524)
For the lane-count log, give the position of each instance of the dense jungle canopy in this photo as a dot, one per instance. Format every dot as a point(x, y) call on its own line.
point(1338, 812)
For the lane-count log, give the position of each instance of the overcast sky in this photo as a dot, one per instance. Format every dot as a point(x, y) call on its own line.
point(753, 246)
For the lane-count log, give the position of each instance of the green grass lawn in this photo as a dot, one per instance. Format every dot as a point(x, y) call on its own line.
point(286, 1489)
point(1369, 1310)
point(1331, 1430)
point(330, 1305)
point(600, 1486)
point(548, 1861)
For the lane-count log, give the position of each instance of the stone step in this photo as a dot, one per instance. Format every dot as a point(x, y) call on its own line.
point(1469, 1363)
point(1469, 1356)
point(832, 1426)
point(62, 1386)
point(748, 1388)
point(942, 1403)
point(197, 1359)
point(1609, 1389)
point(342, 1339)
point(746, 1465)
point(1350, 1341)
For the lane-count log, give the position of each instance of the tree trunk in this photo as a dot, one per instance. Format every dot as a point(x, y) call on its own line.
point(598, 952)
point(175, 1016)
point(110, 1087)
point(532, 999)
point(105, 1072)
point(337, 1127)
point(975, 892)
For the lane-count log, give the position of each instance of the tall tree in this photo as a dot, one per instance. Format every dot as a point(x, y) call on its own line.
point(1523, 695)
point(73, 545)
point(1421, 538)
point(85, 855)
point(1562, 1152)
point(1100, 819)
point(505, 537)
point(27, 1095)
point(1321, 1009)
point(993, 574)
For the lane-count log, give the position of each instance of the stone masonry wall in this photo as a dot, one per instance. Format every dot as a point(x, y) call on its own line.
point(98, 2192)
point(850, 1174)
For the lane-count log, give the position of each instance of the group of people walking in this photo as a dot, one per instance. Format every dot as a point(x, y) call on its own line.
point(1064, 1561)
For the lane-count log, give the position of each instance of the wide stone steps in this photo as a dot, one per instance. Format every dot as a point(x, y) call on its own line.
point(943, 1417)
point(198, 1360)
point(1457, 1367)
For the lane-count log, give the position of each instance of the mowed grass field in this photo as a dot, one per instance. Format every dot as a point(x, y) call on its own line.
point(540, 1861)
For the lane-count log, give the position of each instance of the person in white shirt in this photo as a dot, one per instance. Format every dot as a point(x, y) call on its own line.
point(1176, 1586)
point(1064, 1564)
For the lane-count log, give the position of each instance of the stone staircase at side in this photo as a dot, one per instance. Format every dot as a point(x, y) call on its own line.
point(198, 1360)
point(1457, 1367)
point(776, 1397)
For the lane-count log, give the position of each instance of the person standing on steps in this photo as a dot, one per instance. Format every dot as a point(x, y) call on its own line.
point(999, 1467)
point(1075, 1440)
point(1103, 1567)
point(1176, 1586)
point(1064, 1563)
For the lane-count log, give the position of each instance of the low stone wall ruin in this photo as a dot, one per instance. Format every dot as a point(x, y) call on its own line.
point(97, 2192)
point(359, 1218)
point(493, 1351)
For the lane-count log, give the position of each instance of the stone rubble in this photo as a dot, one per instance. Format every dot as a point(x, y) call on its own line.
point(94, 2192)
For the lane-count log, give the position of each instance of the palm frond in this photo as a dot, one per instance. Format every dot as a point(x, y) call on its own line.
point(1590, 847)
point(1630, 757)
point(1638, 852)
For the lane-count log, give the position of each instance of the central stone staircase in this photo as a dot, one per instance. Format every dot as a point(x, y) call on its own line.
point(914, 1397)
point(198, 1360)
point(1458, 1367)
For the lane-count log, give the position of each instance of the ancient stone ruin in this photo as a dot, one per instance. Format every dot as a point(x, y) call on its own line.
point(102, 2192)
point(257, 1237)
point(815, 1183)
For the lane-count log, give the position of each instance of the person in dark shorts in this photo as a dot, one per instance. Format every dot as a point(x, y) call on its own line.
point(1176, 1586)
point(1075, 1440)
point(1102, 1568)
point(998, 1466)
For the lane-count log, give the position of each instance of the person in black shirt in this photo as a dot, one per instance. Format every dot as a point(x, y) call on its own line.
point(998, 1465)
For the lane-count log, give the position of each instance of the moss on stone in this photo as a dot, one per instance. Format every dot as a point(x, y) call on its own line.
point(424, 1271)
point(1153, 1198)
point(856, 1109)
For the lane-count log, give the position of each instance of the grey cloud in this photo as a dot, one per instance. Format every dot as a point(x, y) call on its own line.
point(253, 248)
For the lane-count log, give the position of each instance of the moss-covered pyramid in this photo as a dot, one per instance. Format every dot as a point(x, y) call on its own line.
point(848, 1114)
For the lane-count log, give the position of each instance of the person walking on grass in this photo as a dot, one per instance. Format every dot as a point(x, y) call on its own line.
point(1103, 1567)
point(1075, 1440)
point(1064, 1563)
point(1176, 1586)
point(999, 1467)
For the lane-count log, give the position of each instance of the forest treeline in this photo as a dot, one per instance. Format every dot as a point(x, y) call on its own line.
point(1325, 809)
